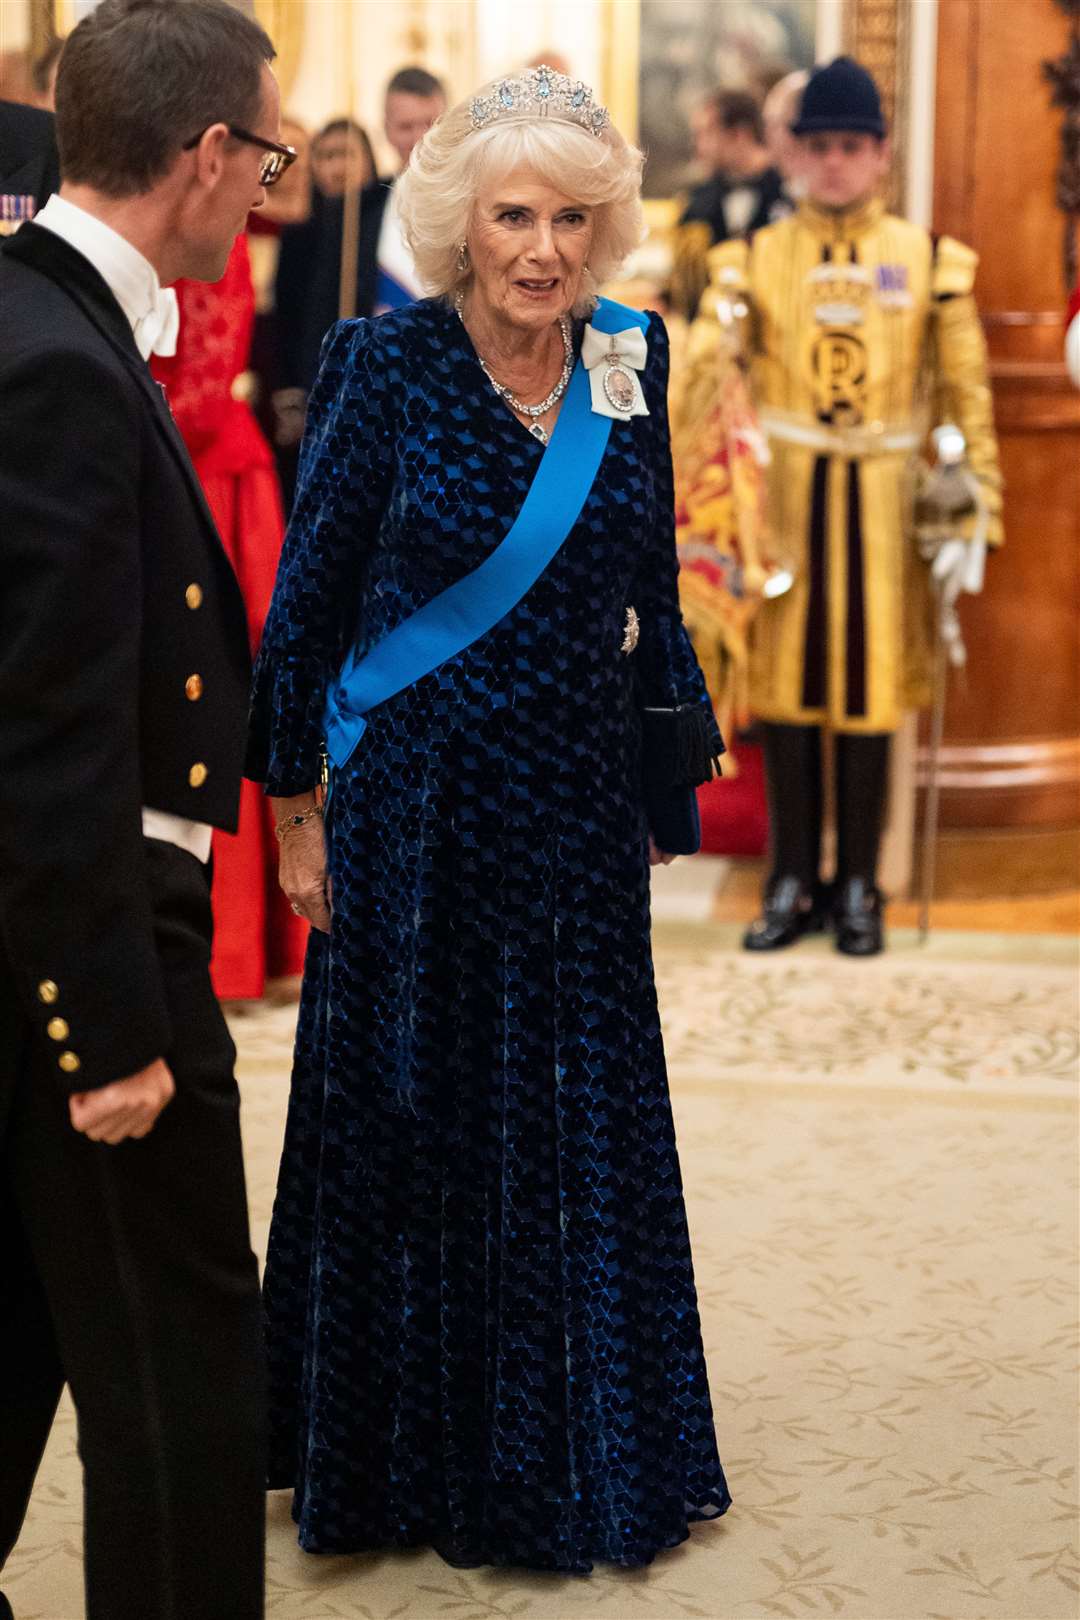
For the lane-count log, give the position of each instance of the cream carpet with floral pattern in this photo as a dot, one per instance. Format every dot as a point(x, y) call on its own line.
point(880, 1161)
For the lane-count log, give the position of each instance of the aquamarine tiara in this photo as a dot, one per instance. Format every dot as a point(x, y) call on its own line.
point(540, 93)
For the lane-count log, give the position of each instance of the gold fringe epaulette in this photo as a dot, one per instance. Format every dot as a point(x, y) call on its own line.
point(954, 269)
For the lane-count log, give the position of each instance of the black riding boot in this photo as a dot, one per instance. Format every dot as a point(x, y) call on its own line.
point(792, 897)
point(862, 781)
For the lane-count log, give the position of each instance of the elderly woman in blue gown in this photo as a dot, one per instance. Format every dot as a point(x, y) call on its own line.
point(482, 1325)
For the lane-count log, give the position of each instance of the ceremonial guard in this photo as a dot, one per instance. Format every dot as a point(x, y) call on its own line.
point(860, 330)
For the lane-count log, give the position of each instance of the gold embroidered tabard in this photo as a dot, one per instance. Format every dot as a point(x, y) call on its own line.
point(860, 334)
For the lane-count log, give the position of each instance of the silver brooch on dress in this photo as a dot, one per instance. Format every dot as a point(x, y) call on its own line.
point(631, 632)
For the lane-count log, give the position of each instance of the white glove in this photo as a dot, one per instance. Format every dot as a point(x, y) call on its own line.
point(960, 565)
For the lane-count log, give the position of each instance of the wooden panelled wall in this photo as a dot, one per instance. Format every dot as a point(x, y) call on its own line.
point(1011, 762)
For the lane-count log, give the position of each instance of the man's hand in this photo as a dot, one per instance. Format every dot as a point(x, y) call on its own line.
point(659, 857)
point(126, 1109)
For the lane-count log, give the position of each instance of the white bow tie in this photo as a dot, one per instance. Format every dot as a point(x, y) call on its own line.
point(613, 360)
point(156, 332)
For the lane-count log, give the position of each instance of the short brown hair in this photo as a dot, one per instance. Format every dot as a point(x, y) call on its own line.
point(138, 78)
point(416, 81)
point(737, 109)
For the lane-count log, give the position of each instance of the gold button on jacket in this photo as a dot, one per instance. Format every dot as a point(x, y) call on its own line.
point(48, 992)
point(197, 774)
point(193, 688)
point(193, 596)
point(69, 1062)
point(58, 1029)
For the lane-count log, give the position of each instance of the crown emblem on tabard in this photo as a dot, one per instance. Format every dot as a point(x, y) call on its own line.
point(540, 93)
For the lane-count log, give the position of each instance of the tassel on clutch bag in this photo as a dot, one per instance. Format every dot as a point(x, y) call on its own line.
point(676, 758)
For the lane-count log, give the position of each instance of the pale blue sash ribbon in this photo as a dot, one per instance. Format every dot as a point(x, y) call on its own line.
point(472, 606)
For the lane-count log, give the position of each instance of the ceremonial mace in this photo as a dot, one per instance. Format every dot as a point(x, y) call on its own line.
point(350, 218)
point(948, 499)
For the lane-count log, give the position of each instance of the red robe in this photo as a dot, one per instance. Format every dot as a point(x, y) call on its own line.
point(256, 935)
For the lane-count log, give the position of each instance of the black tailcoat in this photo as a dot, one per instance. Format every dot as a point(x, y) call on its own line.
point(125, 1271)
point(123, 660)
point(708, 202)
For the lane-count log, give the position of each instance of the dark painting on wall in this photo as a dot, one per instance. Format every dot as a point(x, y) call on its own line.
point(689, 47)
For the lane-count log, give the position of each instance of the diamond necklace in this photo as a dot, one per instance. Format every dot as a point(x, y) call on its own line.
point(504, 393)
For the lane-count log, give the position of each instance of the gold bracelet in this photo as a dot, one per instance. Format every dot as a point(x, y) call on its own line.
point(301, 818)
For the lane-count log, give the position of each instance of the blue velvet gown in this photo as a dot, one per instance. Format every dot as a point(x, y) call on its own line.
point(482, 1325)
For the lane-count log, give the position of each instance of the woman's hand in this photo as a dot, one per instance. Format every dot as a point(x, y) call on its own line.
point(302, 864)
point(302, 873)
point(657, 857)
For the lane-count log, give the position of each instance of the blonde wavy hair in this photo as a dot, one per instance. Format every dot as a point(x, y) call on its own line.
point(454, 162)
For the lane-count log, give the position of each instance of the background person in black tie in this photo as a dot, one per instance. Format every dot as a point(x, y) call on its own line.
point(125, 1262)
point(743, 189)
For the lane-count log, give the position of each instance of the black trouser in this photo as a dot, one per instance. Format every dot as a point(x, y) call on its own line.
point(793, 778)
point(127, 1272)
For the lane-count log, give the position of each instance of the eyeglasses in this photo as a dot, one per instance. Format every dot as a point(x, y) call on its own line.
point(277, 159)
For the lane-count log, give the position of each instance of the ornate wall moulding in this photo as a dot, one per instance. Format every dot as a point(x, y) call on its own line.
point(878, 34)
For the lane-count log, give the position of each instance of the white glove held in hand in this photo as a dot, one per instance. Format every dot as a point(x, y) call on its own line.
point(960, 565)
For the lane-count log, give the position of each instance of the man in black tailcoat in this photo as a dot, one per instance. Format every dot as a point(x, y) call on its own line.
point(743, 191)
point(125, 1260)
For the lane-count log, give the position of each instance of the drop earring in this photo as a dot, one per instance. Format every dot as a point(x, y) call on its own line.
point(463, 257)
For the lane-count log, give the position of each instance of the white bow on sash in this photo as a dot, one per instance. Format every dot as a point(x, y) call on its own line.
point(613, 360)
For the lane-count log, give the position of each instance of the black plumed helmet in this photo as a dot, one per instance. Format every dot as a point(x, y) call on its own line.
point(841, 96)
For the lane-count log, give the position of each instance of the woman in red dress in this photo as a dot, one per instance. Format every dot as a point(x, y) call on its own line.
point(256, 935)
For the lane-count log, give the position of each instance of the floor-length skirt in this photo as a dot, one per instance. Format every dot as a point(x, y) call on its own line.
point(483, 1328)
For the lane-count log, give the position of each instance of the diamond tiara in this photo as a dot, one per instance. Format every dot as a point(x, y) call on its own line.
point(540, 93)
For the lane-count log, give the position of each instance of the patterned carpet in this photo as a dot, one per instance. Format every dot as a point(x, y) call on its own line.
point(880, 1160)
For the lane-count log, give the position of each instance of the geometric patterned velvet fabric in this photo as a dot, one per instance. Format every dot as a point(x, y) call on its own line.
point(482, 1322)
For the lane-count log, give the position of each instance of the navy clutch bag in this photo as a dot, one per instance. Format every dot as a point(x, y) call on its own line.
point(676, 758)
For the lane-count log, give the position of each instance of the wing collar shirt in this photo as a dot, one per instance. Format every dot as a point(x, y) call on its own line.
point(155, 323)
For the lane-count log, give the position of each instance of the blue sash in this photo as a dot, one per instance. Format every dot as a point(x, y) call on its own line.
point(390, 294)
point(472, 606)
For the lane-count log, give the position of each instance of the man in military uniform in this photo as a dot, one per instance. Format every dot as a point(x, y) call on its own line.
point(29, 169)
point(858, 328)
point(126, 1268)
